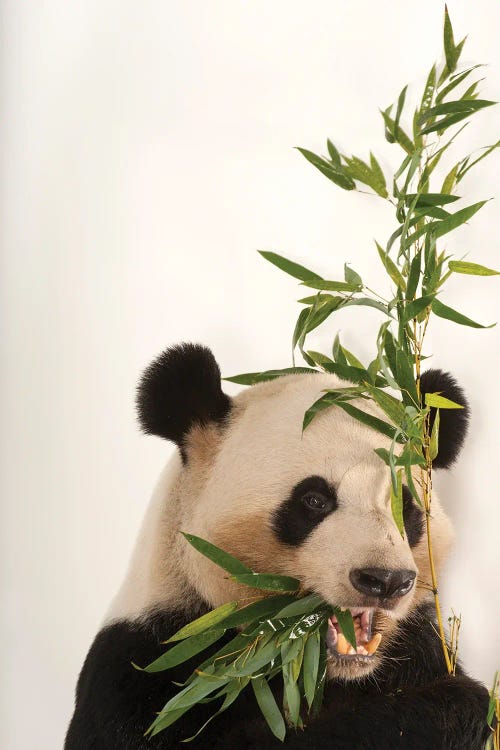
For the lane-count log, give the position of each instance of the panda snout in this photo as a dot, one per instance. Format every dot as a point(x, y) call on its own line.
point(381, 583)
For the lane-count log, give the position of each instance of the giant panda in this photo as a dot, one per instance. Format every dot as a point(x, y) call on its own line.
point(314, 505)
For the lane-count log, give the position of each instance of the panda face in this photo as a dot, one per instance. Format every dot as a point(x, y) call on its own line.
point(313, 505)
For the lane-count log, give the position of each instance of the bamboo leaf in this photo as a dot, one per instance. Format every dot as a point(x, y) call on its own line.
point(434, 441)
point(391, 268)
point(443, 311)
point(218, 556)
point(440, 402)
point(291, 695)
point(311, 666)
point(250, 378)
point(450, 49)
point(259, 610)
point(269, 707)
point(289, 266)
point(368, 419)
point(379, 175)
point(430, 199)
point(352, 278)
point(390, 405)
point(330, 286)
point(414, 276)
point(412, 309)
point(183, 651)
point(346, 624)
point(397, 503)
point(450, 179)
point(205, 622)
point(474, 269)
point(337, 176)
point(429, 89)
point(398, 136)
point(267, 581)
point(460, 106)
point(306, 604)
point(334, 155)
point(406, 378)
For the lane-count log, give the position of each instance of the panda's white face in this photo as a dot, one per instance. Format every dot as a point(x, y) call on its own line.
point(313, 505)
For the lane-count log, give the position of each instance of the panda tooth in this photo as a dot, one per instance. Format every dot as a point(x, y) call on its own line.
point(351, 651)
point(342, 645)
point(373, 645)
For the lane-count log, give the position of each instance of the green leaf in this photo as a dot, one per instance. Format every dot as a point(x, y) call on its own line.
point(292, 696)
point(412, 309)
point(440, 228)
point(434, 441)
point(368, 419)
point(397, 503)
point(399, 135)
point(391, 268)
point(330, 286)
point(378, 175)
point(267, 581)
point(404, 460)
point(347, 372)
point(352, 278)
point(346, 624)
point(251, 378)
point(443, 311)
point(305, 605)
point(414, 276)
point(269, 707)
point(289, 266)
point(454, 82)
point(205, 622)
point(218, 556)
point(459, 106)
point(334, 155)
point(450, 179)
point(450, 50)
point(334, 173)
point(474, 269)
point(359, 170)
point(429, 89)
point(440, 402)
point(390, 405)
point(487, 152)
point(406, 378)
point(183, 651)
point(311, 666)
point(431, 199)
point(258, 611)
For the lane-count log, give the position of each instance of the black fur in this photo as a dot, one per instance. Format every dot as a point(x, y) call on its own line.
point(294, 520)
point(453, 422)
point(179, 389)
point(413, 517)
point(409, 703)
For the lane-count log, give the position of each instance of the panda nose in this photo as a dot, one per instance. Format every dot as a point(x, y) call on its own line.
point(381, 583)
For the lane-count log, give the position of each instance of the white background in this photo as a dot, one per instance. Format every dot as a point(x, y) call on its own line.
point(147, 154)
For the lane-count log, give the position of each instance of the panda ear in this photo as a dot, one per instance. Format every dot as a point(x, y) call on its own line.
point(179, 389)
point(453, 423)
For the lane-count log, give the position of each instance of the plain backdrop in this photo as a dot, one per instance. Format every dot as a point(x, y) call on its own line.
point(147, 153)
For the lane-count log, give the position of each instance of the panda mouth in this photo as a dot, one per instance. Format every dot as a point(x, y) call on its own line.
point(367, 642)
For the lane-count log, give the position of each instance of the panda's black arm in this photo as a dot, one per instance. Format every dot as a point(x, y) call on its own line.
point(116, 703)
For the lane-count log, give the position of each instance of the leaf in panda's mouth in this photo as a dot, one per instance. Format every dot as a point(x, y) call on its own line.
point(364, 643)
point(284, 633)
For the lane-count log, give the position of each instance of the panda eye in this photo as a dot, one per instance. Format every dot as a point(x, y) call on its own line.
point(314, 501)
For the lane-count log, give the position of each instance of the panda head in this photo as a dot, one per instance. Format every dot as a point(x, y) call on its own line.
point(314, 505)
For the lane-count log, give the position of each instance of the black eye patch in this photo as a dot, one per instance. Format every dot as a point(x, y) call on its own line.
point(310, 501)
point(413, 518)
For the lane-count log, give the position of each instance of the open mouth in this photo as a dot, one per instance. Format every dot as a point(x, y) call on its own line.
point(367, 642)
